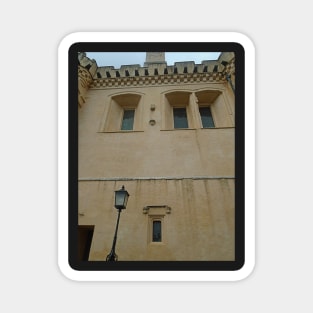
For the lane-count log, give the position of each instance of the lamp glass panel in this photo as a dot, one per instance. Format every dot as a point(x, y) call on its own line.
point(119, 198)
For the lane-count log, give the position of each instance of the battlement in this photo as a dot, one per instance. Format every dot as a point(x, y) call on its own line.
point(153, 73)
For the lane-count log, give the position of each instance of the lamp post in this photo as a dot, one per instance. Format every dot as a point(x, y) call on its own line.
point(121, 197)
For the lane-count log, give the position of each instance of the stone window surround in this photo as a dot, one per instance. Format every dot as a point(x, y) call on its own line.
point(112, 122)
point(113, 115)
point(191, 101)
point(156, 213)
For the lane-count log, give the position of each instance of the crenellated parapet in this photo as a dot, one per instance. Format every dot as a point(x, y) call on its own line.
point(86, 69)
point(150, 80)
point(85, 62)
point(154, 73)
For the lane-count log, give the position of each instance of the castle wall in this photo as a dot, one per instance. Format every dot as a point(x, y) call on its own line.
point(183, 178)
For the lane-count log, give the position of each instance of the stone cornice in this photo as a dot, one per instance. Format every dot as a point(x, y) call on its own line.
point(87, 179)
point(138, 81)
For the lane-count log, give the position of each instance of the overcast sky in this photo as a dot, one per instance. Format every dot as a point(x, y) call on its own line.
point(117, 59)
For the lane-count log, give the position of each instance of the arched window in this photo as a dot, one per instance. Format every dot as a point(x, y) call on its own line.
point(177, 112)
point(123, 113)
point(206, 101)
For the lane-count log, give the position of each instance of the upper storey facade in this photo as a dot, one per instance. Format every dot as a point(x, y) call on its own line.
point(167, 121)
point(155, 72)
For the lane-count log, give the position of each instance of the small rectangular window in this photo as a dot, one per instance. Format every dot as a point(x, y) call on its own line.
point(180, 118)
point(206, 117)
point(128, 120)
point(156, 232)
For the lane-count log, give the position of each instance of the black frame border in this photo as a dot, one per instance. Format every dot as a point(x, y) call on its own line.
point(239, 261)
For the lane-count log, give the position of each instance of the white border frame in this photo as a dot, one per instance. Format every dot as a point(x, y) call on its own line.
point(248, 46)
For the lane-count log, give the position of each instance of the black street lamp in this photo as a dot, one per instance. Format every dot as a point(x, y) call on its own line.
point(121, 197)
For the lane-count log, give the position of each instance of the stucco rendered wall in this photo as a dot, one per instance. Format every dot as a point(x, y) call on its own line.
point(189, 170)
point(183, 177)
point(197, 225)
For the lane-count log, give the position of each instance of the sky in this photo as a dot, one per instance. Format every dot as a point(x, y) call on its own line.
point(117, 59)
